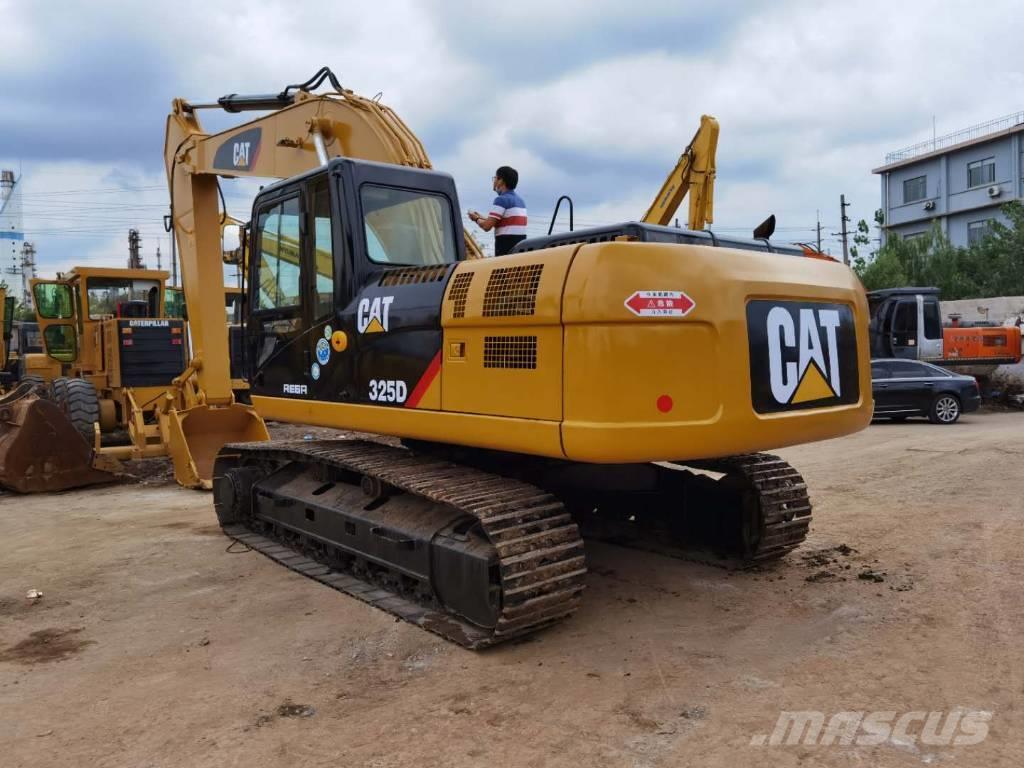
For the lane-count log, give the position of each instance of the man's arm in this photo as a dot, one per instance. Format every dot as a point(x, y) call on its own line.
point(493, 217)
point(486, 223)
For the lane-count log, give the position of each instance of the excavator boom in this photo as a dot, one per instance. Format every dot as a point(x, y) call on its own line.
point(693, 174)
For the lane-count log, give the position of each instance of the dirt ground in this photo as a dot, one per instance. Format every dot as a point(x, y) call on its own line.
point(157, 644)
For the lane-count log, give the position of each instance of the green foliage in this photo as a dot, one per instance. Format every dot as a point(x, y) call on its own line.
point(992, 267)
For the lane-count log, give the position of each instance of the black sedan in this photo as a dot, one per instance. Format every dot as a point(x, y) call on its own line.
point(905, 388)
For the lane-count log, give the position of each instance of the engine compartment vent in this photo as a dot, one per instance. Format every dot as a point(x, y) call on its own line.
point(510, 352)
point(414, 275)
point(512, 291)
point(459, 292)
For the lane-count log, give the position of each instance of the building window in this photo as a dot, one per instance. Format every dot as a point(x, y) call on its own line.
point(976, 230)
point(915, 189)
point(914, 236)
point(981, 172)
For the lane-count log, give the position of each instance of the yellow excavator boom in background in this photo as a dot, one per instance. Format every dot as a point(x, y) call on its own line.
point(693, 174)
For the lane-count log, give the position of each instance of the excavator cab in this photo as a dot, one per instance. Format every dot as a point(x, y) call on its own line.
point(351, 263)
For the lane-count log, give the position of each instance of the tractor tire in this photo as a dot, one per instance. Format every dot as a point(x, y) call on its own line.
point(945, 409)
point(82, 406)
point(37, 381)
point(59, 392)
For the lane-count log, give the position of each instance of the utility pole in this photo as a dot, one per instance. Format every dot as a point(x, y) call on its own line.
point(843, 218)
point(158, 265)
point(818, 212)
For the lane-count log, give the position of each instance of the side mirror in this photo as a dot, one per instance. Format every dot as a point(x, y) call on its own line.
point(231, 244)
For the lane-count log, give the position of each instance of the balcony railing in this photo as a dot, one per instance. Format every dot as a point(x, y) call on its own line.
point(957, 137)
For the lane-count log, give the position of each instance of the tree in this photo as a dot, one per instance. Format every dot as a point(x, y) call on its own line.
point(1001, 254)
point(992, 267)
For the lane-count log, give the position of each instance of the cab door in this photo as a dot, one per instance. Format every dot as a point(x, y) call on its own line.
point(55, 311)
point(276, 360)
point(904, 335)
point(406, 239)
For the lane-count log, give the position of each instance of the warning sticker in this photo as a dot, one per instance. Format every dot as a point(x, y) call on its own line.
point(660, 304)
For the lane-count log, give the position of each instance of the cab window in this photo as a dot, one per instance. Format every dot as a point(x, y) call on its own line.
point(174, 302)
point(277, 270)
point(108, 296)
point(323, 253)
point(909, 370)
point(905, 320)
point(61, 342)
point(53, 301)
point(407, 228)
point(932, 319)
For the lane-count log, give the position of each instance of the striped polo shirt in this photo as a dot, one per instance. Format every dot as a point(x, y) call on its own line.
point(509, 211)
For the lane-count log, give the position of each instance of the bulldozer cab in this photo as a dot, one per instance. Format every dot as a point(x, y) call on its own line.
point(354, 256)
point(70, 309)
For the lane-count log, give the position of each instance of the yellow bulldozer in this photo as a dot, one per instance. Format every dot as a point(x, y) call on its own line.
point(618, 382)
point(113, 358)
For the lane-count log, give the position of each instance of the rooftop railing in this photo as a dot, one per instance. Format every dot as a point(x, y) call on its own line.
point(957, 137)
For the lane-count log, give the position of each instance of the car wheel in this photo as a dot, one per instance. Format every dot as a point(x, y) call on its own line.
point(945, 410)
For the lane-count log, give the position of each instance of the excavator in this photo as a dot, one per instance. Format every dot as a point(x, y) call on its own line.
point(618, 383)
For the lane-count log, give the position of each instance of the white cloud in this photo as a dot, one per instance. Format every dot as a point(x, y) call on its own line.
point(810, 95)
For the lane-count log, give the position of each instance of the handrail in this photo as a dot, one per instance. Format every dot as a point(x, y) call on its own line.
point(554, 216)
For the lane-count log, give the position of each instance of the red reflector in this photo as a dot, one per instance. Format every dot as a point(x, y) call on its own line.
point(665, 403)
point(127, 342)
point(176, 341)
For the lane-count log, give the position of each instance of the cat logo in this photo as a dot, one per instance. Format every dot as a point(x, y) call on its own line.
point(240, 155)
point(372, 316)
point(802, 355)
point(240, 152)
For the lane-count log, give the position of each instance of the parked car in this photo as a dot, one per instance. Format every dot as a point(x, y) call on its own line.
point(904, 388)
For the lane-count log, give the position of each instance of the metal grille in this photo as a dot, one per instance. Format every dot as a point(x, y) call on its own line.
point(413, 275)
point(459, 292)
point(512, 291)
point(510, 352)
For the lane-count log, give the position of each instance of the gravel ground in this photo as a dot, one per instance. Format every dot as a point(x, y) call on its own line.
point(157, 644)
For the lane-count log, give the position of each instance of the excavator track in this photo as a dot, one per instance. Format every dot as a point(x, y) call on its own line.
point(734, 512)
point(538, 560)
point(779, 507)
point(757, 511)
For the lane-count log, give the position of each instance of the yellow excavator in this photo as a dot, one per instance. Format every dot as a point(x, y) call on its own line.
point(618, 382)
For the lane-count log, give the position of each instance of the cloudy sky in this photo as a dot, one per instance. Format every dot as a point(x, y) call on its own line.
point(592, 98)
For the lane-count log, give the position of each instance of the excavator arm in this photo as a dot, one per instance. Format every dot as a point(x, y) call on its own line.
point(303, 133)
point(693, 174)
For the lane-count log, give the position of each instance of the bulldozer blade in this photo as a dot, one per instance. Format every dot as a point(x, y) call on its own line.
point(198, 434)
point(40, 449)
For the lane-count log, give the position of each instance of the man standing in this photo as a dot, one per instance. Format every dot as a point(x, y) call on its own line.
point(507, 216)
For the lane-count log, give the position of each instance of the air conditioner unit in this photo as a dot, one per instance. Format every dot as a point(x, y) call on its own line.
point(995, 190)
point(930, 205)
